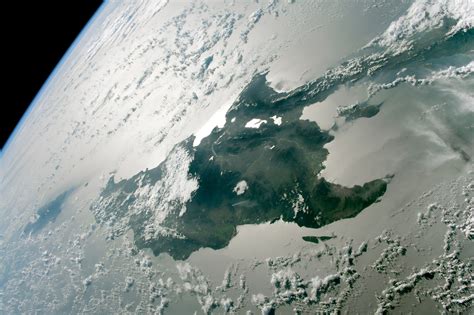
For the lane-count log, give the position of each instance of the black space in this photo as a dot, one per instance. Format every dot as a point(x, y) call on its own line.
point(35, 35)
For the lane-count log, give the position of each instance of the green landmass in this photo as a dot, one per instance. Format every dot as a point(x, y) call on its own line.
point(279, 163)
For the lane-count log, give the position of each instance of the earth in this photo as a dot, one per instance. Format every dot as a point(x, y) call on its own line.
point(273, 157)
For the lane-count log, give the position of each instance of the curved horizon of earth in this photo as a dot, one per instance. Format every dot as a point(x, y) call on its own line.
point(260, 157)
